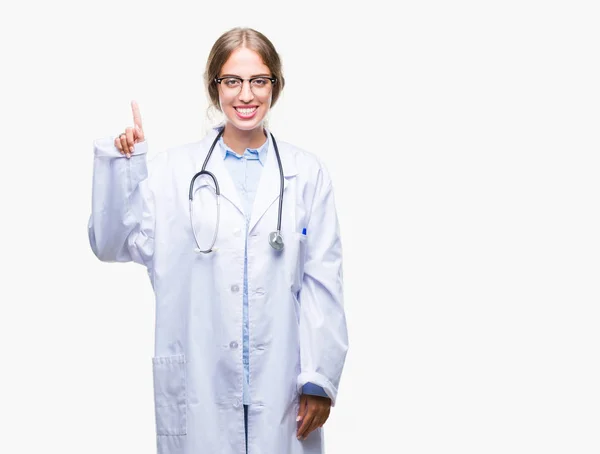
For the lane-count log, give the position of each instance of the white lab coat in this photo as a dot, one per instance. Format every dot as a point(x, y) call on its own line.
point(297, 323)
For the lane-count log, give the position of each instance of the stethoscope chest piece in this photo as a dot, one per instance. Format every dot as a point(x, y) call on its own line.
point(276, 241)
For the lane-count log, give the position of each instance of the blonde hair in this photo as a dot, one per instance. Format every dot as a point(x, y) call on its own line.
point(223, 47)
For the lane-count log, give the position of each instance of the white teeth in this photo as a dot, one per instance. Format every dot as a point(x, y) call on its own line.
point(245, 111)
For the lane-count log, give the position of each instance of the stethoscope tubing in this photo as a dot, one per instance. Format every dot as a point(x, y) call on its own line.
point(275, 239)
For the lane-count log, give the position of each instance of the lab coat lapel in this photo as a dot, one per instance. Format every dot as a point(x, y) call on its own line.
point(268, 187)
point(217, 167)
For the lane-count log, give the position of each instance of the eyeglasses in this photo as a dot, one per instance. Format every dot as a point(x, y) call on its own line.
point(260, 86)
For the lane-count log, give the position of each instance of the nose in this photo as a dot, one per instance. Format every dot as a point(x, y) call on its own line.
point(246, 94)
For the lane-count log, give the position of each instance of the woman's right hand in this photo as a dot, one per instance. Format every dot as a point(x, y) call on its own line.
point(132, 135)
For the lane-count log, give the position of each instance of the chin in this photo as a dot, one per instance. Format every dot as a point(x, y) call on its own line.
point(245, 125)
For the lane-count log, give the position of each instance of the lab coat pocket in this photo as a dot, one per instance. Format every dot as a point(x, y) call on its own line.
point(170, 401)
point(295, 256)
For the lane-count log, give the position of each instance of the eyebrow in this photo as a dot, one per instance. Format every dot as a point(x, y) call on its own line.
point(255, 75)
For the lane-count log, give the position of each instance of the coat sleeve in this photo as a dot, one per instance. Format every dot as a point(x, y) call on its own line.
point(323, 331)
point(121, 226)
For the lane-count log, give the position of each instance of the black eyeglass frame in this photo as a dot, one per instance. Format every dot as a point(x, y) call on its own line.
point(220, 79)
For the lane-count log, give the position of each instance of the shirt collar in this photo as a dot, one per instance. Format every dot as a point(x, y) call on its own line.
point(261, 151)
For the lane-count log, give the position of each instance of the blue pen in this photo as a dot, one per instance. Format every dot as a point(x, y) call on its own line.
point(304, 231)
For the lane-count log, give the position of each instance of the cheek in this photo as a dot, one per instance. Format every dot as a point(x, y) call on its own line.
point(223, 104)
point(266, 105)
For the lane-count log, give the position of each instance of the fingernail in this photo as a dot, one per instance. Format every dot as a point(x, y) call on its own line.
point(299, 418)
point(131, 149)
point(128, 155)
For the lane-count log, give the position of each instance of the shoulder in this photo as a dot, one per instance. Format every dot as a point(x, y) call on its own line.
point(182, 151)
point(307, 163)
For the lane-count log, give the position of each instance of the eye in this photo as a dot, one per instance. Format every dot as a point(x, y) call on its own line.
point(261, 81)
point(231, 82)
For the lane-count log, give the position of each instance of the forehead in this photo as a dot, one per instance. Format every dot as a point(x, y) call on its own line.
point(244, 62)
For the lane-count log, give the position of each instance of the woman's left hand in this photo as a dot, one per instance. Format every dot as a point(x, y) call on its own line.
point(313, 412)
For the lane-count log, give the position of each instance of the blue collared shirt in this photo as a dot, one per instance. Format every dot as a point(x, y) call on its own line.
point(245, 171)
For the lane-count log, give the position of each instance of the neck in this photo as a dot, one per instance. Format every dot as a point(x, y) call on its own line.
point(238, 140)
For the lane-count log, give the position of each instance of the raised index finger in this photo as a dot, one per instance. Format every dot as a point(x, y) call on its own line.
point(137, 117)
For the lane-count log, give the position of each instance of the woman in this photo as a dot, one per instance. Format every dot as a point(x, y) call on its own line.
point(250, 335)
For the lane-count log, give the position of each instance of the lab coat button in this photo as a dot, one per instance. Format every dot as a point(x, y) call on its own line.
point(233, 344)
point(235, 288)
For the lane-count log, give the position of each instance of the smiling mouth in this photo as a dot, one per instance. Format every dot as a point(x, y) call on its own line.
point(246, 110)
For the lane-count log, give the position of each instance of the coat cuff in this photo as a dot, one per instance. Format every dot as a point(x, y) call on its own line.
point(105, 148)
point(319, 380)
point(314, 390)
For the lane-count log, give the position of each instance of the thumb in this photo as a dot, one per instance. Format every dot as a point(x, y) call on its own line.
point(302, 408)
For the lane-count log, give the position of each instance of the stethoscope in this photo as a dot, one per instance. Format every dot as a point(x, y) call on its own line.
point(275, 238)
